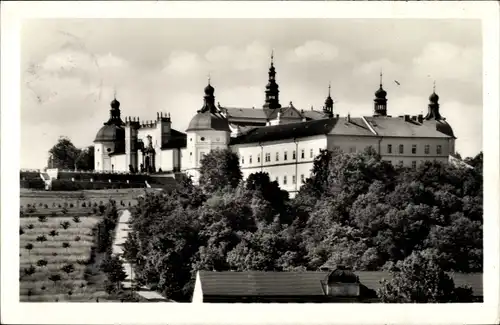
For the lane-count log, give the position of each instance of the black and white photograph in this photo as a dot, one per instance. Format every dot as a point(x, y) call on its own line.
point(265, 161)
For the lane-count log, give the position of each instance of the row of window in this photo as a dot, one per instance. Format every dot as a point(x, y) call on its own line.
point(294, 179)
point(277, 157)
point(401, 163)
point(427, 149)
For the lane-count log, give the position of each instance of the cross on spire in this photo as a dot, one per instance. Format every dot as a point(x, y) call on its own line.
point(329, 88)
point(209, 78)
point(434, 87)
point(272, 56)
point(114, 93)
point(380, 78)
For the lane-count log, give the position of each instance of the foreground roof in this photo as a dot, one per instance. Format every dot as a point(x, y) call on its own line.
point(308, 283)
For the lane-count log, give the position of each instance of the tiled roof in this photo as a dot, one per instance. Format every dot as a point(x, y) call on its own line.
point(356, 126)
point(256, 283)
point(313, 115)
point(251, 113)
point(398, 127)
point(286, 131)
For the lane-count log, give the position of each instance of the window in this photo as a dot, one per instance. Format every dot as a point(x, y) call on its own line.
point(389, 148)
point(250, 159)
point(202, 138)
point(242, 160)
point(258, 158)
point(294, 179)
point(277, 180)
point(439, 149)
point(401, 149)
point(414, 149)
point(294, 155)
point(352, 149)
point(285, 156)
point(302, 154)
point(284, 180)
point(311, 153)
point(277, 156)
point(414, 164)
point(426, 149)
point(302, 179)
point(268, 157)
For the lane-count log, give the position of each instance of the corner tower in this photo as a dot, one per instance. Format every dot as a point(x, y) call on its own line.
point(272, 88)
point(433, 111)
point(328, 108)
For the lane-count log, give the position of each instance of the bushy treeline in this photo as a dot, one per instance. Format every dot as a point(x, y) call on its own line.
point(356, 210)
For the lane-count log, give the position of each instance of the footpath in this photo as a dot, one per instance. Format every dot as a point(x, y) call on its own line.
point(121, 235)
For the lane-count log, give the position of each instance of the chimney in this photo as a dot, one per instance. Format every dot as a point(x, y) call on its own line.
point(420, 118)
point(414, 118)
point(337, 115)
point(407, 118)
point(349, 118)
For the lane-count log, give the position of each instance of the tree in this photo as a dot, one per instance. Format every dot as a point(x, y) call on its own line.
point(65, 155)
point(419, 279)
point(55, 278)
point(220, 168)
point(29, 247)
point(114, 270)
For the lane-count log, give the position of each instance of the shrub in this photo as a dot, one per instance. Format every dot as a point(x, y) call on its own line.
point(41, 238)
point(77, 238)
point(42, 218)
point(65, 204)
point(84, 205)
point(40, 204)
point(45, 206)
point(30, 226)
point(71, 205)
point(41, 263)
point(65, 224)
point(54, 253)
point(76, 219)
point(68, 268)
point(64, 210)
point(53, 213)
point(53, 233)
point(21, 231)
point(59, 205)
point(30, 270)
point(53, 204)
point(29, 247)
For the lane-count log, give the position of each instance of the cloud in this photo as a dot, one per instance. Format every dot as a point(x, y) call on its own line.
point(182, 63)
point(441, 60)
point(252, 56)
point(313, 51)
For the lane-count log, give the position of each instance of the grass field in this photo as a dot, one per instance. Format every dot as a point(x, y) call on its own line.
point(56, 243)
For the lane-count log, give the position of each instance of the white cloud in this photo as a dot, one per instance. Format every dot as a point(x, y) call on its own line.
point(313, 51)
point(182, 63)
point(441, 60)
point(252, 56)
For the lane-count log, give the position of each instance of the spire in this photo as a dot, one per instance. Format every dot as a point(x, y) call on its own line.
point(114, 112)
point(433, 107)
point(328, 108)
point(272, 88)
point(209, 78)
point(380, 105)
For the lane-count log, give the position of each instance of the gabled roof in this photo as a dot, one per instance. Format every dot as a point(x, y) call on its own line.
point(398, 127)
point(234, 113)
point(255, 283)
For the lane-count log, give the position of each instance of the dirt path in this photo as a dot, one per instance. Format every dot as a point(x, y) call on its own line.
point(122, 231)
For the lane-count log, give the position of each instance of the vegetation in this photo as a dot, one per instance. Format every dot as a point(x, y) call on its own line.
point(65, 155)
point(355, 210)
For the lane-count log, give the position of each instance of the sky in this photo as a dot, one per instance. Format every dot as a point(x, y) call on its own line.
point(71, 69)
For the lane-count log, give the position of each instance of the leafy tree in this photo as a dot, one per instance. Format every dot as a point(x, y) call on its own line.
point(65, 224)
point(30, 270)
point(63, 154)
point(220, 168)
point(42, 218)
point(41, 238)
point(53, 233)
point(68, 268)
point(114, 270)
point(419, 279)
point(66, 245)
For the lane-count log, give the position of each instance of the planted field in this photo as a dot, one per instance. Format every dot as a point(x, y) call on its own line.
point(54, 258)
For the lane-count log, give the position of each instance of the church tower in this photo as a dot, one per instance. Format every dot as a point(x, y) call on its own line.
point(272, 88)
point(380, 101)
point(328, 108)
point(433, 112)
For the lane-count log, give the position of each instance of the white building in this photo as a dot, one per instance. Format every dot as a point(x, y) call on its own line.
point(281, 141)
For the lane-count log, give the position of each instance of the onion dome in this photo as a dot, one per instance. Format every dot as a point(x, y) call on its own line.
point(380, 93)
point(433, 98)
point(209, 90)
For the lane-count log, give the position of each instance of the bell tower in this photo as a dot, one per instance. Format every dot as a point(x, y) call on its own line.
point(272, 88)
